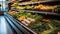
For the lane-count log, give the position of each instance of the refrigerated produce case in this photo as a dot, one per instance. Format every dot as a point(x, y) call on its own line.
point(49, 23)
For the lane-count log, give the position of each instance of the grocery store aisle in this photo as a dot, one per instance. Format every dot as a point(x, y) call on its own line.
point(3, 29)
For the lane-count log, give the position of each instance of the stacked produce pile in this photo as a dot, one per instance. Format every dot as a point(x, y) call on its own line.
point(57, 10)
point(27, 17)
point(45, 7)
point(40, 7)
point(37, 22)
point(17, 6)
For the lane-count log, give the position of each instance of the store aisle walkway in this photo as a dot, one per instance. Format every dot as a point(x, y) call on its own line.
point(3, 29)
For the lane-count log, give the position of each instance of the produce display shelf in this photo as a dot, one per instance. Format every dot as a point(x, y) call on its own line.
point(29, 2)
point(29, 29)
point(17, 23)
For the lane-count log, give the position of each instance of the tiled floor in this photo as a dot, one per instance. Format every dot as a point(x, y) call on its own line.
point(3, 29)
